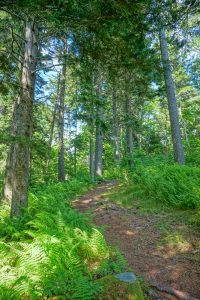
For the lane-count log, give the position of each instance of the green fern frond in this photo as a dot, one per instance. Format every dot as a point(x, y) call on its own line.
point(8, 294)
point(50, 251)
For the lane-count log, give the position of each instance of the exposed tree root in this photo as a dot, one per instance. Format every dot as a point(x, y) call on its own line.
point(178, 294)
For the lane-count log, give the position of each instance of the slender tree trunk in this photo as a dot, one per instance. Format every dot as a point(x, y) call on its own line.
point(68, 131)
point(92, 154)
point(115, 127)
point(75, 146)
point(91, 125)
point(172, 105)
point(99, 134)
point(129, 132)
point(183, 124)
point(51, 138)
point(61, 165)
point(166, 139)
point(52, 130)
point(23, 122)
point(141, 113)
point(140, 141)
point(68, 125)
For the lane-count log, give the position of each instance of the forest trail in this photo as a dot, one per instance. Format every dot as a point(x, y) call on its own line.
point(139, 239)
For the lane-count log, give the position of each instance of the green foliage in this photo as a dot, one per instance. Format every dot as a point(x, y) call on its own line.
point(193, 152)
point(158, 182)
point(195, 220)
point(172, 185)
point(53, 249)
point(114, 265)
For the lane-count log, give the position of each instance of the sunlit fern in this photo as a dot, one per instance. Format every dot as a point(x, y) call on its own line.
point(52, 251)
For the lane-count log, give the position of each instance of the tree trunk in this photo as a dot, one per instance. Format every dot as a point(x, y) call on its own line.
point(140, 137)
point(23, 122)
point(92, 155)
point(68, 131)
point(129, 132)
point(99, 135)
point(184, 124)
point(61, 165)
point(115, 127)
point(171, 97)
point(166, 138)
point(140, 141)
point(7, 184)
point(68, 125)
point(75, 144)
point(51, 138)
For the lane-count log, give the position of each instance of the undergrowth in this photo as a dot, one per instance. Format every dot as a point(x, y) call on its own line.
point(154, 184)
point(170, 185)
point(53, 250)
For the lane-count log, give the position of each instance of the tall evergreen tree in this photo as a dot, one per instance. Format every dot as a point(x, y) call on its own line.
point(171, 97)
point(23, 121)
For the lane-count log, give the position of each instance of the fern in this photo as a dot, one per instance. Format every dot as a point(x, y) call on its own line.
point(8, 294)
point(172, 185)
point(51, 251)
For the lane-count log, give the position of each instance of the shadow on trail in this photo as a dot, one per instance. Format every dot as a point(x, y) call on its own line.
point(138, 238)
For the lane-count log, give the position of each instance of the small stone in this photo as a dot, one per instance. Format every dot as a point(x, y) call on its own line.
point(126, 277)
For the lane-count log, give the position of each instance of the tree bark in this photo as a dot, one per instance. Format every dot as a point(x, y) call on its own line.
point(184, 124)
point(92, 154)
point(61, 165)
point(129, 132)
point(166, 143)
point(51, 137)
point(7, 184)
point(68, 125)
point(23, 122)
point(75, 143)
point(115, 127)
point(171, 97)
point(68, 131)
point(99, 134)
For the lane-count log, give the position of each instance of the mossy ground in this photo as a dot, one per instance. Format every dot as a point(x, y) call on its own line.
point(115, 289)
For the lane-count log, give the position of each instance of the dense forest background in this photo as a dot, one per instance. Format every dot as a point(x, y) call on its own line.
point(91, 90)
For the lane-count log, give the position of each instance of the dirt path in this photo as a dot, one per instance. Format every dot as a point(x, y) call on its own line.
point(138, 238)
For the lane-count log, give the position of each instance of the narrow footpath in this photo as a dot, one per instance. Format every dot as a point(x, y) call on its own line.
point(138, 238)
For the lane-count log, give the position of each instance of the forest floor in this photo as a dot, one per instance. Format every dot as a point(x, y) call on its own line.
point(158, 245)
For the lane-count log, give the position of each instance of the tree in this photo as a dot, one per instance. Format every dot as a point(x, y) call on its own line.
point(128, 121)
point(115, 125)
point(23, 121)
point(61, 164)
point(99, 130)
point(171, 97)
point(52, 130)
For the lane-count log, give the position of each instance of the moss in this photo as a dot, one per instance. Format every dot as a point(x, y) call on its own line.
point(115, 289)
